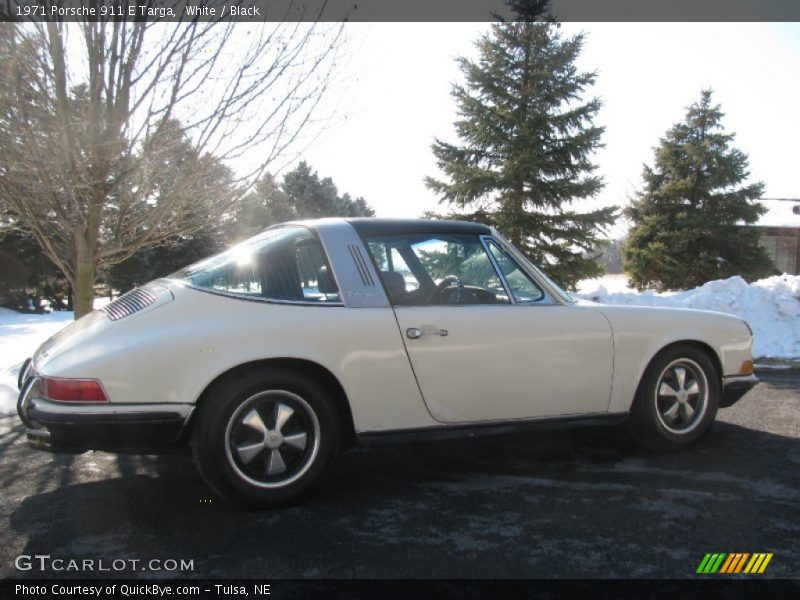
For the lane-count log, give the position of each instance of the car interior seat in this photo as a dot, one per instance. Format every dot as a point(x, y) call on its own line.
point(395, 285)
point(325, 282)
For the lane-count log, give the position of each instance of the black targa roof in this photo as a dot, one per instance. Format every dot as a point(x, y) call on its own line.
point(368, 226)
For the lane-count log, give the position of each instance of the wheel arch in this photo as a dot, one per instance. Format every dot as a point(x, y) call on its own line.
point(307, 368)
point(703, 347)
point(644, 422)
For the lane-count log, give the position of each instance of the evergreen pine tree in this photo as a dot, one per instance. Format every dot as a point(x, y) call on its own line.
point(690, 222)
point(313, 197)
point(301, 195)
point(526, 144)
point(153, 262)
point(265, 205)
point(25, 271)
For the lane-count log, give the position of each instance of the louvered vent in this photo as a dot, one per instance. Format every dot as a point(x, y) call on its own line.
point(129, 303)
point(361, 265)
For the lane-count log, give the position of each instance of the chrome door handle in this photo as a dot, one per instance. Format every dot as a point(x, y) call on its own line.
point(414, 333)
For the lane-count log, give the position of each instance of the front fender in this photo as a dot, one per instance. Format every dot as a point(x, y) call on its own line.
point(640, 333)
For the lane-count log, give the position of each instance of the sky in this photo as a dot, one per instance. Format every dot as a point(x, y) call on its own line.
point(393, 99)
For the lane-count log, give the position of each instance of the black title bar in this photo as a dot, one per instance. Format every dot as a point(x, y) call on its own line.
point(399, 10)
point(393, 589)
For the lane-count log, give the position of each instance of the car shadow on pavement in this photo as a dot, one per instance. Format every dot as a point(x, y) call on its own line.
point(581, 502)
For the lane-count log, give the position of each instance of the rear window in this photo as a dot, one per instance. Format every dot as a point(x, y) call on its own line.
point(284, 264)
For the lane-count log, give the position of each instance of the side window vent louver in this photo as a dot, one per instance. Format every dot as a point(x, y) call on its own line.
point(361, 265)
point(129, 303)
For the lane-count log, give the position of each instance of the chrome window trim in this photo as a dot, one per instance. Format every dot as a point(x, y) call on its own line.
point(236, 296)
point(485, 239)
point(292, 224)
point(545, 300)
point(526, 265)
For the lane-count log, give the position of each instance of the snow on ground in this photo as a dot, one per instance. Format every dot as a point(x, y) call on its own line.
point(20, 335)
point(610, 283)
point(770, 306)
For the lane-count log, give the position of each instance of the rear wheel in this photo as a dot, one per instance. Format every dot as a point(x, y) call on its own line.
point(266, 438)
point(677, 399)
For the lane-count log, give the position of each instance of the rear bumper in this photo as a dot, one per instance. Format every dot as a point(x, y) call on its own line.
point(733, 388)
point(76, 427)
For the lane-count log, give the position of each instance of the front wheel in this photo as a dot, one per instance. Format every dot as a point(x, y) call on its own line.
point(266, 438)
point(677, 399)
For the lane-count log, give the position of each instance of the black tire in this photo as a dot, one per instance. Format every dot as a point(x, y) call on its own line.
point(660, 420)
point(235, 452)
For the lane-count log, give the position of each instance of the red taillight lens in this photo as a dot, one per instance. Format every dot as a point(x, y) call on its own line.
point(73, 390)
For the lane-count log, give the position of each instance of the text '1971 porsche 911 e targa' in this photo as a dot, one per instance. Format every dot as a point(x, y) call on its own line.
point(269, 358)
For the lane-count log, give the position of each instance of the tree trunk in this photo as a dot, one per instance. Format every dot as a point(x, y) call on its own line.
point(83, 288)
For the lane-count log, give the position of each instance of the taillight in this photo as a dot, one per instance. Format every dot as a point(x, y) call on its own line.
point(73, 390)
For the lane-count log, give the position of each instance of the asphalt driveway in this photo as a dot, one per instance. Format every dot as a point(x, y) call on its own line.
point(576, 503)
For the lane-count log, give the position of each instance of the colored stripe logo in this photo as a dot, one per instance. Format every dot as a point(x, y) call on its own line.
point(736, 562)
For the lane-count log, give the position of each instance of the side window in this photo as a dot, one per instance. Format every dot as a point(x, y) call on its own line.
point(316, 279)
point(432, 269)
point(281, 264)
point(392, 266)
point(398, 265)
point(522, 287)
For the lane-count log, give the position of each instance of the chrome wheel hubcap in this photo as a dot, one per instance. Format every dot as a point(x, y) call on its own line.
point(272, 438)
point(681, 396)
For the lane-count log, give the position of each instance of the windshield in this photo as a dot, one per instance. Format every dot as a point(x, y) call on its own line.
point(283, 263)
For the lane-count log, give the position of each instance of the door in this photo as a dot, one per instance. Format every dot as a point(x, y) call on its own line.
point(485, 341)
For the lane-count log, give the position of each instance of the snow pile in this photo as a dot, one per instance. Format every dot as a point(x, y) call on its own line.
point(770, 306)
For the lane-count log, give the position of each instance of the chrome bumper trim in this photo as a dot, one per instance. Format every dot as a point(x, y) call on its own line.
point(734, 387)
point(24, 401)
point(738, 380)
point(107, 409)
point(75, 427)
point(24, 371)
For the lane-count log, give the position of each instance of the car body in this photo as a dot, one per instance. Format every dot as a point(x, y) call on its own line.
point(315, 334)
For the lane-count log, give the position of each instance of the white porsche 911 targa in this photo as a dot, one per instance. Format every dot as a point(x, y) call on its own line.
point(270, 357)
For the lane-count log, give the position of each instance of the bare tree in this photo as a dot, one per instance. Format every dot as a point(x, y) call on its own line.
point(118, 135)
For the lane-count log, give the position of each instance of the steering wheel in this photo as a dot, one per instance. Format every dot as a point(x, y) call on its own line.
point(446, 283)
